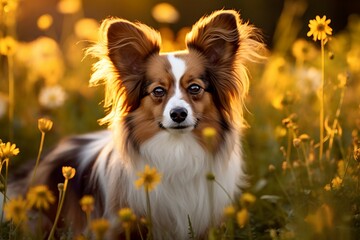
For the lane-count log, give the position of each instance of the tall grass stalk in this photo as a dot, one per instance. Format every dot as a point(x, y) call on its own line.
point(306, 160)
point(10, 61)
point(322, 96)
point(5, 185)
point(335, 124)
point(288, 153)
point(210, 180)
point(210, 177)
point(38, 158)
point(150, 235)
point(88, 222)
point(60, 205)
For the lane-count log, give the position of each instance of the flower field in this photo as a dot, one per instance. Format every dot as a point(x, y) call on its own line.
point(301, 147)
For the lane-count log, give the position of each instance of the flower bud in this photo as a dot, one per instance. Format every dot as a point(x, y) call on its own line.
point(44, 125)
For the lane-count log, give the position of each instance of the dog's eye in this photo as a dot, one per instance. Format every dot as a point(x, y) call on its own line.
point(159, 92)
point(194, 89)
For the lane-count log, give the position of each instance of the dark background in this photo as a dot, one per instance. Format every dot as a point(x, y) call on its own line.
point(262, 13)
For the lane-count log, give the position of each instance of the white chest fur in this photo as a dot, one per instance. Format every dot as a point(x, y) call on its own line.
point(184, 189)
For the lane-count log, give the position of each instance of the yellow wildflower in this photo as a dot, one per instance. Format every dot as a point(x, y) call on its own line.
point(44, 21)
point(247, 199)
point(68, 172)
point(242, 217)
point(16, 210)
point(8, 150)
point(99, 227)
point(8, 45)
point(44, 125)
point(303, 50)
point(319, 28)
point(336, 182)
point(87, 203)
point(327, 187)
point(149, 178)
point(229, 211)
point(209, 133)
point(40, 197)
point(127, 217)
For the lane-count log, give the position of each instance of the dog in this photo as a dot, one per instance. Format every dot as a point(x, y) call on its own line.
point(158, 107)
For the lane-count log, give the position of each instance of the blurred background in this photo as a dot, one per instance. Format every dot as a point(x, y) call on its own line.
point(262, 13)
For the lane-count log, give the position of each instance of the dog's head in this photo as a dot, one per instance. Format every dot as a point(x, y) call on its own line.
point(179, 92)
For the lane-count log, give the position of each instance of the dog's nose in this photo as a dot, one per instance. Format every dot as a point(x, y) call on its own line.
point(178, 114)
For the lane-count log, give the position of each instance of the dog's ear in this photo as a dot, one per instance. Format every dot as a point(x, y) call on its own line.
point(216, 36)
point(129, 44)
point(227, 45)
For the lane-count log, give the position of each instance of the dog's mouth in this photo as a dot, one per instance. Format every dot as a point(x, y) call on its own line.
point(178, 126)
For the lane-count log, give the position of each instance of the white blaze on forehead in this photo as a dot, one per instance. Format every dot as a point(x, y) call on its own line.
point(177, 68)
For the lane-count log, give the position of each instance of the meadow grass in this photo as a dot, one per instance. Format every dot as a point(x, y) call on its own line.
point(302, 146)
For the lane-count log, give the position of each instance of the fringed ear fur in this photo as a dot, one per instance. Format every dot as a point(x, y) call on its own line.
point(129, 45)
point(216, 36)
point(122, 50)
point(227, 44)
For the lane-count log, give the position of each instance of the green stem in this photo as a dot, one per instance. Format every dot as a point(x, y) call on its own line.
point(306, 160)
point(51, 236)
point(283, 189)
point(226, 192)
point(11, 96)
point(88, 220)
point(149, 216)
point(210, 184)
point(140, 232)
point(5, 187)
point(288, 154)
point(336, 122)
point(127, 233)
point(40, 225)
point(211, 201)
point(230, 224)
point(250, 237)
point(322, 104)
point(38, 158)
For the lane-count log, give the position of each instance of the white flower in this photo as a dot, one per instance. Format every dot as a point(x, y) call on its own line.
point(52, 96)
point(309, 80)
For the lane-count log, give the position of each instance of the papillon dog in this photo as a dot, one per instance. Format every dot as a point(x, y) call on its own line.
point(158, 106)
